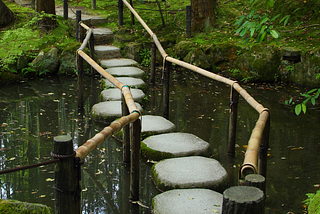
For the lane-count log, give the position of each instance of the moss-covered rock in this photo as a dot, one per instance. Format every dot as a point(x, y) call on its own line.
point(47, 62)
point(15, 207)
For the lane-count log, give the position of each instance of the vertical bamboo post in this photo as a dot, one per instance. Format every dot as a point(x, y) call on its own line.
point(91, 47)
point(80, 72)
point(78, 27)
point(64, 175)
point(93, 4)
point(188, 21)
point(135, 158)
point(120, 12)
point(132, 16)
point(126, 133)
point(166, 81)
point(65, 9)
point(234, 98)
point(264, 148)
point(153, 63)
point(33, 4)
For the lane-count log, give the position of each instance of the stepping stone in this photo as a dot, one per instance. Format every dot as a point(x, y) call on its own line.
point(172, 145)
point(106, 112)
point(151, 125)
point(126, 71)
point(107, 51)
point(114, 94)
point(129, 81)
point(183, 201)
point(190, 172)
point(122, 62)
point(102, 36)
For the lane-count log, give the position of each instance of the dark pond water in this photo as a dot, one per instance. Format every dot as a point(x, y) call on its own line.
point(33, 112)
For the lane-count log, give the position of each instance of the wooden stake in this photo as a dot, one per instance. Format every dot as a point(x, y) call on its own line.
point(234, 97)
point(126, 133)
point(135, 158)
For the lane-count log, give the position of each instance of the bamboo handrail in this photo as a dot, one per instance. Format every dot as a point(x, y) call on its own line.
point(256, 135)
point(117, 125)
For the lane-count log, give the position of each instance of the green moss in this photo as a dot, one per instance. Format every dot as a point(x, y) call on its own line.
point(153, 154)
point(18, 207)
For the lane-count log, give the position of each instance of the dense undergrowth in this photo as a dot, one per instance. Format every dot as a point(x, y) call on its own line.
point(26, 38)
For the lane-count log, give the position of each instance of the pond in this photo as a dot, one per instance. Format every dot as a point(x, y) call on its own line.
point(33, 112)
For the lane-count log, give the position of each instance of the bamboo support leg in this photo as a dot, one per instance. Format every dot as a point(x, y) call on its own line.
point(234, 97)
point(78, 27)
point(126, 134)
point(166, 82)
point(135, 158)
point(188, 21)
point(264, 149)
point(120, 12)
point(153, 64)
point(80, 72)
point(65, 9)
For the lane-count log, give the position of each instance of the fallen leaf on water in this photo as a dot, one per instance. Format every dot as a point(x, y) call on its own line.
point(102, 161)
point(215, 211)
point(34, 192)
point(191, 198)
point(316, 185)
point(99, 172)
point(84, 190)
point(42, 196)
point(49, 179)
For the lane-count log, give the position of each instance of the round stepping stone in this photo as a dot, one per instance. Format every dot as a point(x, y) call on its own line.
point(102, 35)
point(114, 94)
point(190, 172)
point(126, 71)
point(182, 201)
point(122, 62)
point(108, 111)
point(107, 51)
point(129, 81)
point(171, 145)
point(151, 125)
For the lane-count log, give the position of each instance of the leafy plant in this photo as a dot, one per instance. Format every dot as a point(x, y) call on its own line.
point(290, 68)
point(145, 55)
point(257, 25)
point(311, 95)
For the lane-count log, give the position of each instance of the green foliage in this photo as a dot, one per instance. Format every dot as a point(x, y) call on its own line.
point(145, 55)
point(310, 96)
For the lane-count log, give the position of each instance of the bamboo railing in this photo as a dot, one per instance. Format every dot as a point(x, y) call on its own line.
point(260, 135)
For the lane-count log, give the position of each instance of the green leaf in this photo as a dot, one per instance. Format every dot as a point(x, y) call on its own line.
point(285, 19)
point(274, 18)
point(275, 34)
point(313, 101)
point(264, 19)
point(240, 19)
point(312, 90)
point(252, 30)
point(251, 13)
point(297, 23)
point(304, 107)
point(243, 32)
point(297, 109)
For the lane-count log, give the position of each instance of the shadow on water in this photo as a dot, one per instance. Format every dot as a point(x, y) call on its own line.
point(33, 112)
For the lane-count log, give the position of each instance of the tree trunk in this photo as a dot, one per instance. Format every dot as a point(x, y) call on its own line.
point(203, 16)
point(47, 6)
point(6, 15)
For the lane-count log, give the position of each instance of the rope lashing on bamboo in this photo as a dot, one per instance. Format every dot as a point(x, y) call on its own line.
point(251, 156)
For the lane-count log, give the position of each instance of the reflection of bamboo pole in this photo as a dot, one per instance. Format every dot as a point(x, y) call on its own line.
point(107, 197)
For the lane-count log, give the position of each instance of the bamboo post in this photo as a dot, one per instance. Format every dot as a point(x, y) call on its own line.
point(132, 16)
point(78, 27)
point(33, 4)
point(126, 133)
point(188, 21)
point(234, 97)
point(93, 4)
point(166, 82)
point(242, 199)
point(263, 151)
point(120, 12)
point(153, 63)
point(80, 72)
point(64, 175)
point(65, 9)
point(135, 158)
point(256, 180)
point(91, 47)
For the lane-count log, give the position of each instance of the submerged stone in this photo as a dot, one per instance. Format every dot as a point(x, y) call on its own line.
point(169, 145)
point(190, 172)
point(182, 201)
point(113, 94)
point(108, 111)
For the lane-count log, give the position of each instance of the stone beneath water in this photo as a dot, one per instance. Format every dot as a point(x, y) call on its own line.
point(162, 146)
point(182, 201)
point(14, 206)
point(190, 172)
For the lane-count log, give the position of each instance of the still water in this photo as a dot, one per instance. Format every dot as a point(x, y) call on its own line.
point(33, 112)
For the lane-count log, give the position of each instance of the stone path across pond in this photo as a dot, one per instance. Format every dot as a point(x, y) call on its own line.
point(175, 171)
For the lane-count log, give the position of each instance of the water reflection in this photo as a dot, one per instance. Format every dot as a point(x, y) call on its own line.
point(33, 112)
